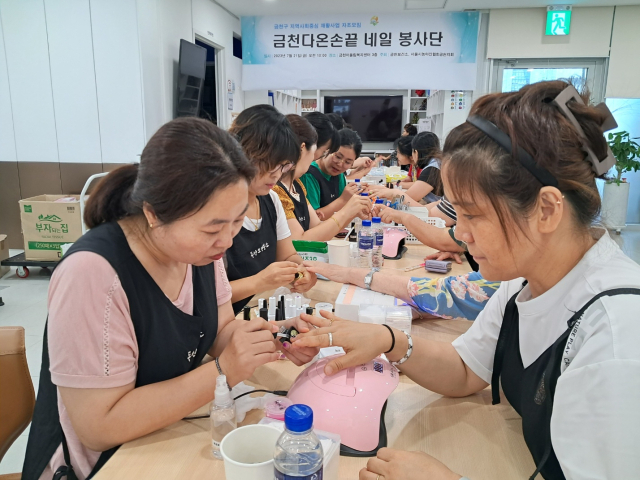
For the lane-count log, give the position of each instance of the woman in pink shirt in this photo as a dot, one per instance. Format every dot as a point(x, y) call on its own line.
point(139, 300)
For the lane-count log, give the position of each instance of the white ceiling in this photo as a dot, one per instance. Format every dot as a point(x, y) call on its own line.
point(282, 7)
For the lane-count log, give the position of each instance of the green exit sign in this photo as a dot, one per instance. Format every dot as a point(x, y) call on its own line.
point(558, 20)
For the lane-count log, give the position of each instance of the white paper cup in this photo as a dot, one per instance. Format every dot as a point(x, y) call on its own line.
point(339, 252)
point(248, 452)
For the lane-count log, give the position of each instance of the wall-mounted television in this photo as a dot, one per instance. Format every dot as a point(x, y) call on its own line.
point(191, 73)
point(376, 118)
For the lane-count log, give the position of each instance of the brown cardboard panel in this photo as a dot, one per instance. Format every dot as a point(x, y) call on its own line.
point(9, 208)
point(75, 175)
point(39, 178)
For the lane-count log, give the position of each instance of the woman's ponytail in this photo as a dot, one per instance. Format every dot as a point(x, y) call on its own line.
point(111, 199)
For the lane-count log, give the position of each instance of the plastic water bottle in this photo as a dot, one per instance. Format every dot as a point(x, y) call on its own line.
point(223, 415)
point(298, 453)
point(378, 234)
point(358, 220)
point(365, 244)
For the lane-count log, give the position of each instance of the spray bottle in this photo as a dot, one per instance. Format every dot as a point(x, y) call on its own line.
point(223, 415)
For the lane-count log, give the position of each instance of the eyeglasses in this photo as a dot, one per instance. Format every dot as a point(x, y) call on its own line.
point(284, 168)
point(340, 158)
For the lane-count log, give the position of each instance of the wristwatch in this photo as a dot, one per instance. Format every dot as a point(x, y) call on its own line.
point(369, 278)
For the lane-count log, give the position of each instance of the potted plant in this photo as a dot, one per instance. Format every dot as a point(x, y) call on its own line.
point(616, 189)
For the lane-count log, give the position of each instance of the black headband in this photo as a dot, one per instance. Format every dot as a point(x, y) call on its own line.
point(492, 131)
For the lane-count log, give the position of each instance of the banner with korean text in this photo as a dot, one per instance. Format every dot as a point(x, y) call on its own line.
point(357, 51)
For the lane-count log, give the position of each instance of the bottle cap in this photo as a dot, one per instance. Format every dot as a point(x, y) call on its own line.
point(379, 200)
point(364, 194)
point(357, 180)
point(376, 220)
point(272, 305)
point(223, 394)
point(366, 223)
point(246, 313)
point(309, 310)
point(298, 418)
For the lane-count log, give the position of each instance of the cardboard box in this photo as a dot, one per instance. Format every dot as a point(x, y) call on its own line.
point(47, 224)
point(4, 253)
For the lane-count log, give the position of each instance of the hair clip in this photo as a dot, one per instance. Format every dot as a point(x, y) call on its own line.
point(599, 166)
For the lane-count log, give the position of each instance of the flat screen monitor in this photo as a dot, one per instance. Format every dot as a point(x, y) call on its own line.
point(193, 59)
point(376, 118)
point(192, 68)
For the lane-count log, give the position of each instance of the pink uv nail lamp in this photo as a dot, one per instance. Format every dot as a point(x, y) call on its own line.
point(393, 242)
point(350, 403)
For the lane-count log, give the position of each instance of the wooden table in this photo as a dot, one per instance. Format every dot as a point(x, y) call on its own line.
point(468, 434)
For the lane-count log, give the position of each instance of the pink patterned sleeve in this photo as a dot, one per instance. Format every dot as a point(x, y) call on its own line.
point(92, 343)
point(223, 288)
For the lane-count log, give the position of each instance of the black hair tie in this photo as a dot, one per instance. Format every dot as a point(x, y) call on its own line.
point(393, 338)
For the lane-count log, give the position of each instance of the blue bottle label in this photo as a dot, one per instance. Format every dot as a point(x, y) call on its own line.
point(365, 243)
point(379, 239)
point(277, 475)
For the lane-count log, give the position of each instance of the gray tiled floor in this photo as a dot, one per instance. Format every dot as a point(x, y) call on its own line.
point(26, 305)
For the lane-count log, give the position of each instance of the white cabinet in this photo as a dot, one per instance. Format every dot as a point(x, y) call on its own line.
point(73, 80)
point(25, 42)
point(7, 139)
point(118, 79)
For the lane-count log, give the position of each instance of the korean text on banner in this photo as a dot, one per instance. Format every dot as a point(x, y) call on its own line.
point(357, 51)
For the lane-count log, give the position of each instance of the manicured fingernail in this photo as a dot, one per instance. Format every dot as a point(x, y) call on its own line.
point(286, 345)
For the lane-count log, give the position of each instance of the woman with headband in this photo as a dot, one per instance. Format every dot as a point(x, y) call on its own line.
point(560, 334)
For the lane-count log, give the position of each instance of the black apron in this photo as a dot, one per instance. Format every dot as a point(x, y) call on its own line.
point(300, 207)
point(252, 252)
point(531, 390)
point(170, 342)
point(329, 189)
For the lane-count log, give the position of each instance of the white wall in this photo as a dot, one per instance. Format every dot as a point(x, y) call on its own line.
point(624, 67)
point(519, 33)
point(7, 138)
point(74, 90)
point(73, 80)
point(118, 79)
point(216, 26)
point(27, 55)
point(161, 26)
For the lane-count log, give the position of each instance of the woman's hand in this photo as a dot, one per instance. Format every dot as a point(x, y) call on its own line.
point(455, 256)
point(381, 191)
point(357, 206)
point(390, 464)
point(299, 356)
point(279, 274)
point(388, 214)
point(361, 341)
point(349, 191)
point(305, 283)
point(361, 163)
point(335, 273)
point(250, 346)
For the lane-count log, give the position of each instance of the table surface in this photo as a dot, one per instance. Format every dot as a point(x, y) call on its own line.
point(471, 436)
